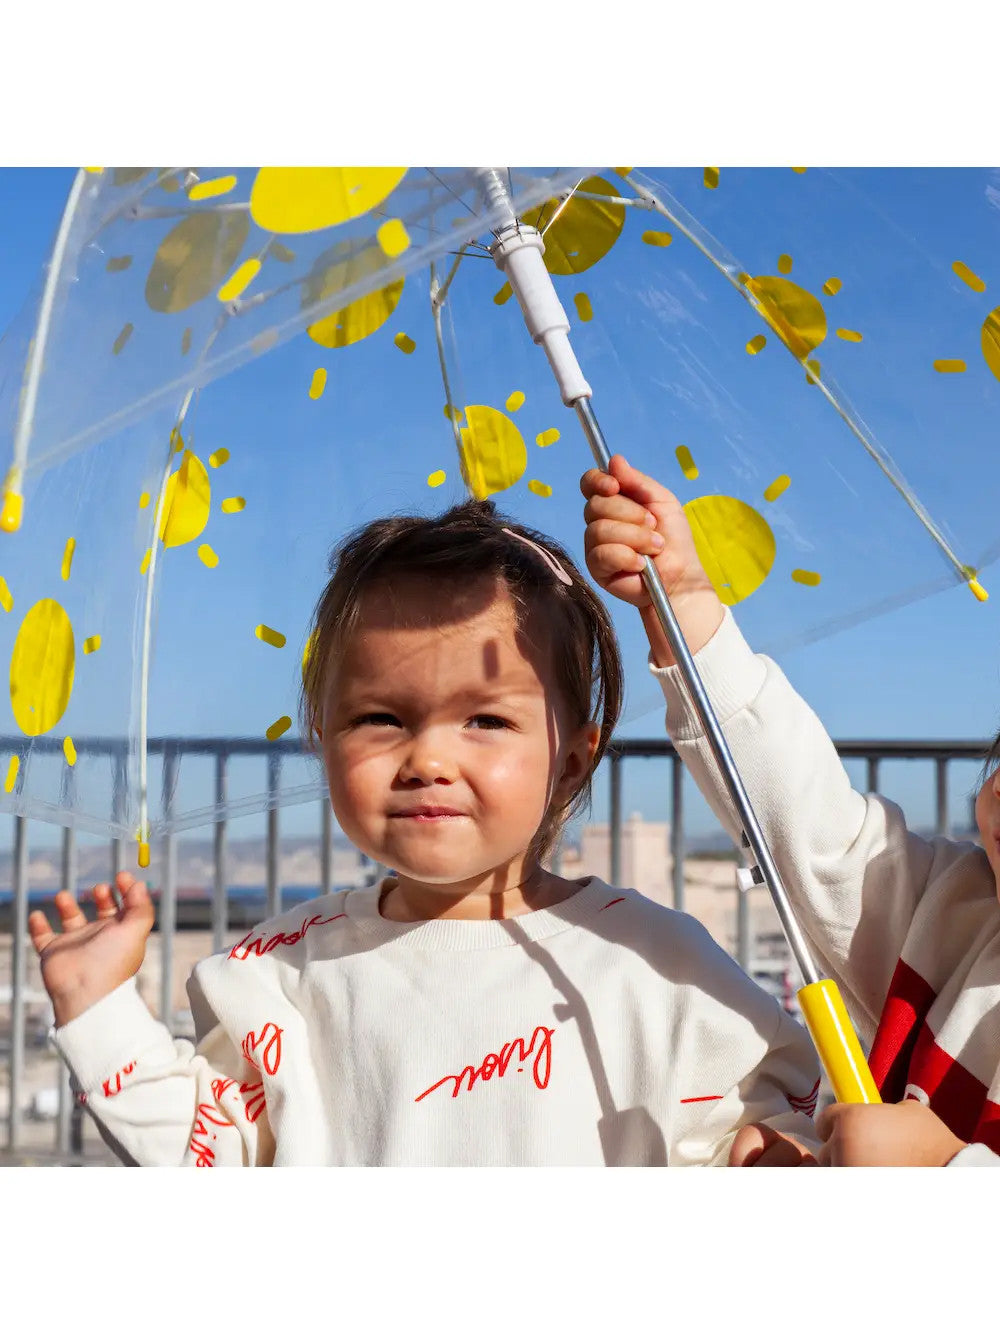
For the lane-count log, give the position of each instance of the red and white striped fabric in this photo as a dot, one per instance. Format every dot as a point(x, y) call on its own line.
point(908, 927)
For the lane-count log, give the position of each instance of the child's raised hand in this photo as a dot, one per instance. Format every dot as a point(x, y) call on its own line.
point(629, 516)
point(89, 959)
point(894, 1134)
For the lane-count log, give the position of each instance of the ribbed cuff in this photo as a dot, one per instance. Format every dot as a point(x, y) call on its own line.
point(976, 1154)
point(730, 671)
point(112, 1033)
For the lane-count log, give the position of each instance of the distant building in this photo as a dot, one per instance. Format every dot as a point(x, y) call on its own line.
point(645, 856)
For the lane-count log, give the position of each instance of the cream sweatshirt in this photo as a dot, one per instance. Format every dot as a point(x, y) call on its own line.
point(908, 927)
point(607, 1030)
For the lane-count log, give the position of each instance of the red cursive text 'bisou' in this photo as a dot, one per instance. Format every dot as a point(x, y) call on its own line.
point(256, 947)
point(540, 1046)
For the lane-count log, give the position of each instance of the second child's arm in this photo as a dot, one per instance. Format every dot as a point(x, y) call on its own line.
point(842, 857)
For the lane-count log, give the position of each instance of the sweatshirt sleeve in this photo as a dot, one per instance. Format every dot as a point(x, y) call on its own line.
point(780, 1091)
point(853, 872)
point(976, 1154)
point(161, 1101)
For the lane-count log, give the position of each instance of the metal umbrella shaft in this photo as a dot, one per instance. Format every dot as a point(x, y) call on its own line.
point(517, 251)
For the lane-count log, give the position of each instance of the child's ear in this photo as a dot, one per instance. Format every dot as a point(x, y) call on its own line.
point(578, 760)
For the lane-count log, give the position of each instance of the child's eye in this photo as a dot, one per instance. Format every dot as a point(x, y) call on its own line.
point(376, 720)
point(488, 722)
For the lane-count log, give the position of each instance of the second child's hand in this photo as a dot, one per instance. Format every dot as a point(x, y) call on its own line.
point(629, 516)
point(86, 960)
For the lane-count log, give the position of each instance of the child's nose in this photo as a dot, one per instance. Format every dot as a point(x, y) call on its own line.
point(429, 759)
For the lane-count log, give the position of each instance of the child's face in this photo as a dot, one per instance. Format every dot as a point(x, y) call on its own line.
point(445, 740)
point(988, 821)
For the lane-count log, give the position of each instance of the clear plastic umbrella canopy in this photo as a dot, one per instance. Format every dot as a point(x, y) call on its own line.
point(225, 370)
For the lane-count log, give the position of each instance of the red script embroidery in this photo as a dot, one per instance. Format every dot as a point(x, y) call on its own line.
point(110, 1091)
point(270, 1038)
point(498, 1064)
point(260, 945)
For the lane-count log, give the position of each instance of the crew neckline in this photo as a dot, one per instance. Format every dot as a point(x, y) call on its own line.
point(362, 908)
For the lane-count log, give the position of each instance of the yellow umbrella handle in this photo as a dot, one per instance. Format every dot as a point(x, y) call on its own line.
point(837, 1043)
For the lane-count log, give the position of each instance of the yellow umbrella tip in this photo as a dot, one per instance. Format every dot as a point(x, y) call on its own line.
point(12, 511)
point(978, 591)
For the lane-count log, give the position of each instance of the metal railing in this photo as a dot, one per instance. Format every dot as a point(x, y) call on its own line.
point(68, 1133)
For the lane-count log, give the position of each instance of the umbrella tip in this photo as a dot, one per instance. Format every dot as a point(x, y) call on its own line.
point(11, 511)
point(978, 591)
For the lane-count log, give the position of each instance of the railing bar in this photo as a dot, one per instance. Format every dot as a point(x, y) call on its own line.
point(943, 823)
point(326, 847)
point(168, 893)
point(219, 886)
point(273, 884)
point(677, 853)
point(17, 978)
point(66, 1106)
point(615, 820)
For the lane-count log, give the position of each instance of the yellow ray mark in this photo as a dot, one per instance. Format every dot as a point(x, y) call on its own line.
point(687, 464)
point(504, 294)
point(784, 263)
point(187, 502)
point(812, 371)
point(218, 458)
point(832, 286)
point(849, 335)
point(234, 504)
point(734, 544)
point(207, 556)
point(584, 310)
point(298, 199)
point(798, 170)
point(118, 263)
point(41, 668)
point(176, 441)
point(493, 454)
point(755, 344)
point(515, 401)
point(970, 279)
point(143, 855)
point(6, 597)
point(991, 341)
point(711, 178)
point(546, 438)
point(404, 342)
point(12, 506)
point(660, 238)
point(743, 278)
point(122, 338)
point(809, 578)
point(11, 778)
point(69, 750)
point(437, 478)
point(307, 651)
point(278, 728)
point(67, 560)
point(272, 636)
point(144, 499)
point(94, 171)
point(623, 171)
point(92, 645)
point(240, 280)
point(452, 413)
point(777, 487)
point(318, 383)
point(393, 237)
point(949, 367)
point(540, 488)
point(580, 231)
point(211, 189)
point(185, 342)
point(145, 562)
point(281, 253)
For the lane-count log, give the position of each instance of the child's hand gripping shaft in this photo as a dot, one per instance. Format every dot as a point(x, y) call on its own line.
point(639, 546)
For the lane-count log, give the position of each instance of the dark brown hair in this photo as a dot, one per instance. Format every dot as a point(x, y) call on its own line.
point(469, 538)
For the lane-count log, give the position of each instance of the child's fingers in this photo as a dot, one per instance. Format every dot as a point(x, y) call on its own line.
point(70, 915)
point(637, 485)
point(760, 1145)
point(104, 901)
point(610, 559)
point(606, 532)
point(40, 931)
point(597, 482)
point(620, 508)
point(137, 904)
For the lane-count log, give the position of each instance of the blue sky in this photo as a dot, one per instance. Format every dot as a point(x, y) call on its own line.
point(665, 353)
